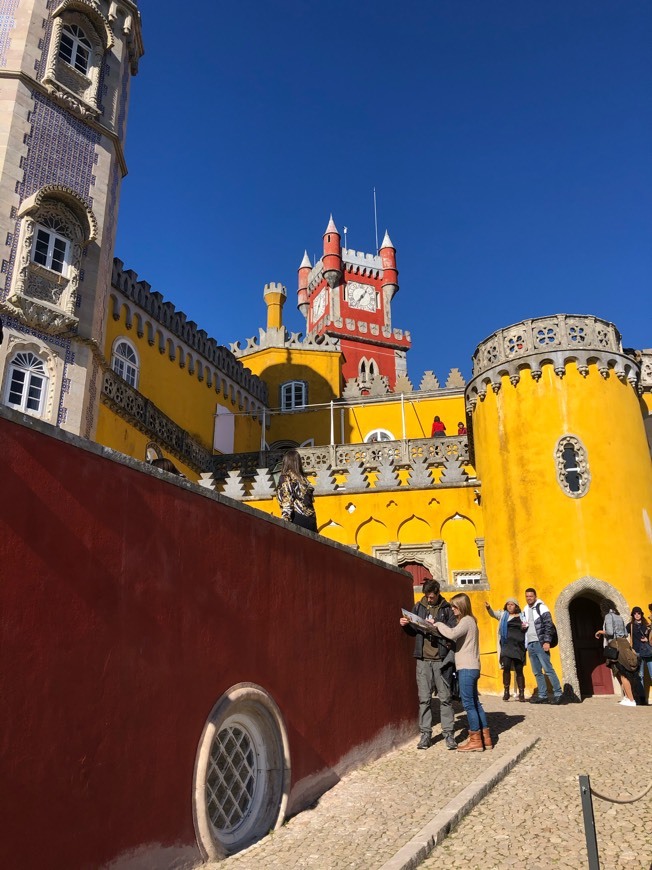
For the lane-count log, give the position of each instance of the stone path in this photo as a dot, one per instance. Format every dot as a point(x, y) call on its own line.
point(364, 820)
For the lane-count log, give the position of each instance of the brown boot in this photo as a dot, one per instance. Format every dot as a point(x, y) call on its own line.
point(473, 744)
point(520, 682)
point(486, 738)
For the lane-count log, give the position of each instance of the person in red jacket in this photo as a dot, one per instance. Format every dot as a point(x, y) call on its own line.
point(438, 429)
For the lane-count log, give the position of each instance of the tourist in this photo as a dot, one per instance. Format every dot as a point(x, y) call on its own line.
point(639, 635)
point(434, 664)
point(614, 635)
point(467, 664)
point(512, 645)
point(438, 429)
point(461, 429)
point(538, 639)
point(164, 464)
point(295, 493)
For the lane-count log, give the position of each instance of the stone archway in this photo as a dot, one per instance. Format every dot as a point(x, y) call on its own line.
point(563, 622)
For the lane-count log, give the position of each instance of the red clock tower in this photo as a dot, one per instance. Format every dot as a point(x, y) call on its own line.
point(348, 295)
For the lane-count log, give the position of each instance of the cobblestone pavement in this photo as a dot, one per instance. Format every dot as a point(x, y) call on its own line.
point(366, 818)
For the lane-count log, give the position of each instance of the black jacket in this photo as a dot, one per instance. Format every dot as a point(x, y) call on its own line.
point(445, 615)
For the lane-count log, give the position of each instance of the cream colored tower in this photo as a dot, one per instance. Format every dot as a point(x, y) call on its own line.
point(65, 70)
point(561, 451)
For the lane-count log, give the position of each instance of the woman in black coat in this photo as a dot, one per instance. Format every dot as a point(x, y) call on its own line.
point(512, 645)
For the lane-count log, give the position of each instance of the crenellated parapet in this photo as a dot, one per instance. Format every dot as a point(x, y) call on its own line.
point(281, 338)
point(559, 340)
point(176, 323)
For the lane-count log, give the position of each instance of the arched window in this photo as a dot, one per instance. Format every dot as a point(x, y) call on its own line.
point(379, 435)
point(26, 384)
point(572, 466)
point(125, 361)
point(51, 246)
point(294, 394)
point(367, 370)
point(75, 47)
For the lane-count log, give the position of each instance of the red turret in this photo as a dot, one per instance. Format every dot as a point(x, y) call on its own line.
point(302, 293)
point(390, 272)
point(332, 258)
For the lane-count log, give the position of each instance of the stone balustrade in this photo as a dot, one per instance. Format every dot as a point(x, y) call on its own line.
point(340, 468)
point(133, 407)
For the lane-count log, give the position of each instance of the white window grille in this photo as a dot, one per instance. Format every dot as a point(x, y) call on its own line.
point(379, 435)
point(75, 48)
point(51, 247)
point(294, 394)
point(26, 384)
point(125, 362)
point(231, 778)
point(467, 578)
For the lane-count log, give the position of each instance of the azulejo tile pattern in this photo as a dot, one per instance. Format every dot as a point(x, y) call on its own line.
point(7, 24)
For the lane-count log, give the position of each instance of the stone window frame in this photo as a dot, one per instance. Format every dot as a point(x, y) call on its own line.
point(17, 346)
point(52, 236)
point(117, 357)
point(370, 439)
point(367, 370)
point(251, 709)
point(35, 370)
point(74, 40)
point(42, 296)
point(288, 395)
point(76, 90)
point(582, 466)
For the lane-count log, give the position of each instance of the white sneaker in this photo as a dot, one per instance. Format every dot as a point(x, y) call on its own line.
point(627, 703)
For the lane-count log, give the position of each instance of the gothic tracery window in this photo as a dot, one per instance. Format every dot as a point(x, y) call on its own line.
point(572, 466)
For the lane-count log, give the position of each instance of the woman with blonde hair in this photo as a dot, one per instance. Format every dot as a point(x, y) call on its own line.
point(467, 663)
point(295, 493)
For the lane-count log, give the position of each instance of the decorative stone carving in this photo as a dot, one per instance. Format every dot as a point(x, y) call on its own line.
point(455, 380)
point(378, 385)
point(403, 385)
point(206, 480)
point(429, 382)
point(453, 472)
point(419, 476)
point(324, 481)
point(233, 486)
point(387, 477)
point(356, 478)
point(263, 485)
point(558, 340)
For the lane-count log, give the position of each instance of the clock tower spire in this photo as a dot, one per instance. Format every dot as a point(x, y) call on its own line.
point(348, 295)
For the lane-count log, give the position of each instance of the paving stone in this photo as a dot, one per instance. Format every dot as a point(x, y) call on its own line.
point(532, 819)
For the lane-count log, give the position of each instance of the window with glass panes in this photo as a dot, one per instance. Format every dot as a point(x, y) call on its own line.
point(26, 384)
point(293, 395)
point(75, 48)
point(125, 362)
point(51, 246)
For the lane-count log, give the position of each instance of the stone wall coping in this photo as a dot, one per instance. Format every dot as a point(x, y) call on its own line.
point(195, 489)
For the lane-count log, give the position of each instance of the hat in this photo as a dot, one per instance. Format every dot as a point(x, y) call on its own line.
point(511, 601)
point(637, 610)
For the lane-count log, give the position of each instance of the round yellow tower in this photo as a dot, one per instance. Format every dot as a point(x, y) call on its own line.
point(563, 459)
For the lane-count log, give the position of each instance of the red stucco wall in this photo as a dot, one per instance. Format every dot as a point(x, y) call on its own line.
point(128, 605)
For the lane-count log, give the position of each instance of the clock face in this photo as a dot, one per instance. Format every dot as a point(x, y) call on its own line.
point(361, 296)
point(319, 305)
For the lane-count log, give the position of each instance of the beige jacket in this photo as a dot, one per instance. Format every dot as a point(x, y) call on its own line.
point(467, 649)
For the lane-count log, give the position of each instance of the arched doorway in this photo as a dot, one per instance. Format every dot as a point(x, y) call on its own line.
point(592, 673)
point(419, 574)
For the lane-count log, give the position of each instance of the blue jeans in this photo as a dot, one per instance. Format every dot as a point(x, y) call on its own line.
point(645, 663)
point(469, 694)
point(540, 664)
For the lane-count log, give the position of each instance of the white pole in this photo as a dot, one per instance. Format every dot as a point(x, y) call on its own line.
point(403, 413)
point(262, 433)
point(342, 425)
point(332, 424)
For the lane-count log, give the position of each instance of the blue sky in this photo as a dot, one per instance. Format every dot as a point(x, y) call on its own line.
point(509, 143)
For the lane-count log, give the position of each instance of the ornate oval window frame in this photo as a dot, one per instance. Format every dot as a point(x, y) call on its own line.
point(245, 715)
point(581, 467)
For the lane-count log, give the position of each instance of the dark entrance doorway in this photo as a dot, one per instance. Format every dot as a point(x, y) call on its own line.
point(419, 574)
point(593, 675)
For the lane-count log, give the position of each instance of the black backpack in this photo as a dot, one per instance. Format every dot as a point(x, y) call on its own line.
point(554, 637)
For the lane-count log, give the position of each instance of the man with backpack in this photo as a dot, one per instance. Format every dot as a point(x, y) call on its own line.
point(540, 636)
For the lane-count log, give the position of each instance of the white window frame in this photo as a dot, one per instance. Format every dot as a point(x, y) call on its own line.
point(33, 372)
point(53, 237)
point(294, 395)
point(81, 48)
point(380, 435)
point(123, 366)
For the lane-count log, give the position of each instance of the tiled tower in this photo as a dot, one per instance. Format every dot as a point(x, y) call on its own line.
point(348, 295)
point(65, 70)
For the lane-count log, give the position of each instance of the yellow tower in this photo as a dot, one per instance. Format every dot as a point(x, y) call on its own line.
point(561, 451)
